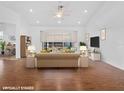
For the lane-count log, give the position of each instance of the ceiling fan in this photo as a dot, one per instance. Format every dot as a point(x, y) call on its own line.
point(61, 11)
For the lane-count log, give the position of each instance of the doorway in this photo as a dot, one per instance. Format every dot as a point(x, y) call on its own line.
point(7, 40)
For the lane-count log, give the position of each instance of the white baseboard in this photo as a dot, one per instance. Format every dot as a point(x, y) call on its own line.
point(110, 63)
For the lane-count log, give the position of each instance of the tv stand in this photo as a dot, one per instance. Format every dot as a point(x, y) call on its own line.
point(95, 56)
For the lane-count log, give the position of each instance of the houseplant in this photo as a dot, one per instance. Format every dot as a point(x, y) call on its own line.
point(82, 44)
point(2, 46)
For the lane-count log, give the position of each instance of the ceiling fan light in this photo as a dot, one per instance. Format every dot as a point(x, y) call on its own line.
point(59, 15)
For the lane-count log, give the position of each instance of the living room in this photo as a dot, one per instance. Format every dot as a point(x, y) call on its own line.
point(62, 43)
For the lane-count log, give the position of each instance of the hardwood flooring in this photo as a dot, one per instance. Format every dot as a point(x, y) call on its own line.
point(98, 76)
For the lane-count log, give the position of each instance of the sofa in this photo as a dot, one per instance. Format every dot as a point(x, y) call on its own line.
point(57, 59)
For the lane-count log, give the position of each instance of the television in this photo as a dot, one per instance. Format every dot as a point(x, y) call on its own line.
point(94, 42)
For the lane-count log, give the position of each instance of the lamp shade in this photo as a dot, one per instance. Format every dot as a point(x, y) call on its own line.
point(31, 48)
point(83, 48)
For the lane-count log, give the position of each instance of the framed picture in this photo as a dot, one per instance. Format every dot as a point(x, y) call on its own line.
point(103, 34)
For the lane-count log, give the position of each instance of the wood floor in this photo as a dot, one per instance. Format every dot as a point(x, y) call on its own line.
point(99, 76)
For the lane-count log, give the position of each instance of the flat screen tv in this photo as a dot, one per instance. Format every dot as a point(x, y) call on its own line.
point(94, 42)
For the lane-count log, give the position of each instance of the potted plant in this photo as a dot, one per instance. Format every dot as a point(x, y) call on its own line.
point(82, 44)
point(2, 46)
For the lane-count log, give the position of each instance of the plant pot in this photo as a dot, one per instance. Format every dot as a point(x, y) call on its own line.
point(2, 52)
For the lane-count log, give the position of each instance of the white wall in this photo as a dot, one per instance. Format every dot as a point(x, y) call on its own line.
point(9, 16)
point(35, 34)
point(111, 17)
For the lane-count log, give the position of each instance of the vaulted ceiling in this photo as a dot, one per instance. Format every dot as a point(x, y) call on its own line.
point(42, 13)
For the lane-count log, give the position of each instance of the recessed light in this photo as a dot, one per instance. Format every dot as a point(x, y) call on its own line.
point(37, 22)
point(79, 22)
point(30, 10)
point(85, 11)
point(59, 22)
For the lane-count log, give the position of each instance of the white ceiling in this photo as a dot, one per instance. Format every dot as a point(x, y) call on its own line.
point(44, 11)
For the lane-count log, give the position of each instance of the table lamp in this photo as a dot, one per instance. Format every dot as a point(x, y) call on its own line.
point(31, 50)
point(83, 49)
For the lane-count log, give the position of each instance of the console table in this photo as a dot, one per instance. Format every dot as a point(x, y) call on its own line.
point(31, 62)
point(83, 61)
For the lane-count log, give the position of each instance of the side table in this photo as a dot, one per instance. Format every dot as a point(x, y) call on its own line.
point(31, 62)
point(83, 61)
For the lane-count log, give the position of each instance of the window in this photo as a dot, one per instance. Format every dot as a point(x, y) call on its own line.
point(57, 44)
